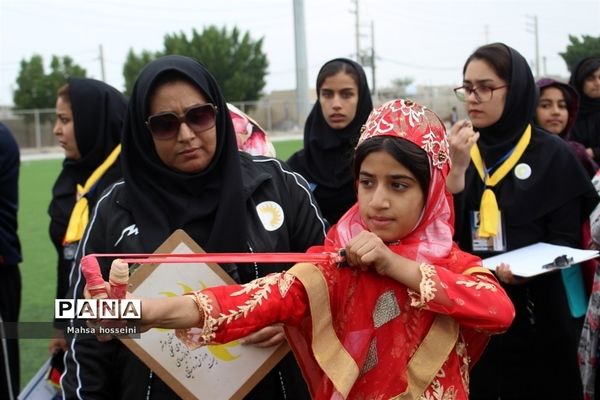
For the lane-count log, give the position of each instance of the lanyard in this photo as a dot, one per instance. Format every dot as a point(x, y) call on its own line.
point(489, 214)
point(500, 161)
point(508, 163)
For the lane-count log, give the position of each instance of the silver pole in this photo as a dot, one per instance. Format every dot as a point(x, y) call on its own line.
point(301, 63)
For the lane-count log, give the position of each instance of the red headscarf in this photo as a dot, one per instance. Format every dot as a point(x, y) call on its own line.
point(431, 240)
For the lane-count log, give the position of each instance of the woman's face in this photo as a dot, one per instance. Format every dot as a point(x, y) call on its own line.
point(552, 113)
point(390, 198)
point(591, 85)
point(479, 74)
point(188, 151)
point(338, 96)
point(64, 129)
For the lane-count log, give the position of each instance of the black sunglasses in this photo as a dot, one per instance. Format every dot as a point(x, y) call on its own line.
point(199, 118)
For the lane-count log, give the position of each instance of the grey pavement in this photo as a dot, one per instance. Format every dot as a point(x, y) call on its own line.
point(44, 153)
point(56, 152)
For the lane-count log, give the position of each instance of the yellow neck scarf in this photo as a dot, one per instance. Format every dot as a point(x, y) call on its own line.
point(489, 215)
point(80, 214)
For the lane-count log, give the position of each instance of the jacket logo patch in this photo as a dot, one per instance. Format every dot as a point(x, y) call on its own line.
point(129, 231)
point(270, 214)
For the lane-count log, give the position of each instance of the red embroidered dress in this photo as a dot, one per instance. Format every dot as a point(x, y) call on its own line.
point(360, 335)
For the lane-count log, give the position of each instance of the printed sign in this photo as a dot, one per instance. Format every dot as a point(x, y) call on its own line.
point(227, 371)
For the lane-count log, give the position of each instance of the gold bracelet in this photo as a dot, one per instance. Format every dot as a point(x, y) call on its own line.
point(206, 322)
point(201, 310)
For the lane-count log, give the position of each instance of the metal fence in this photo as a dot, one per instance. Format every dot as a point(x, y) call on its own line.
point(33, 128)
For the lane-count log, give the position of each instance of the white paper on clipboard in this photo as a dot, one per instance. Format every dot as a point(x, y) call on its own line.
point(529, 260)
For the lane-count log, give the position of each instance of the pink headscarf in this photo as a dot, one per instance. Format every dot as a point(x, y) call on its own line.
point(251, 137)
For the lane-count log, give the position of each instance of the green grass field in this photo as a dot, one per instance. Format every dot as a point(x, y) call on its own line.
point(39, 257)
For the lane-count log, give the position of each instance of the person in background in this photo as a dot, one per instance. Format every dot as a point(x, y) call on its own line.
point(251, 137)
point(182, 170)
point(330, 134)
point(521, 186)
point(89, 119)
point(585, 78)
point(10, 257)
point(556, 112)
point(453, 116)
point(408, 314)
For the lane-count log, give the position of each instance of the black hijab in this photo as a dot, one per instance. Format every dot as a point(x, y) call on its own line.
point(572, 100)
point(587, 126)
point(327, 154)
point(208, 205)
point(556, 178)
point(582, 70)
point(98, 113)
point(521, 100)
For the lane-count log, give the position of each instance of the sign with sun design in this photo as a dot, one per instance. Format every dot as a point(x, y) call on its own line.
point(227, 371)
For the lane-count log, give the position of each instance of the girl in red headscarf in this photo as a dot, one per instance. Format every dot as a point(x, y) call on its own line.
point(407, 317)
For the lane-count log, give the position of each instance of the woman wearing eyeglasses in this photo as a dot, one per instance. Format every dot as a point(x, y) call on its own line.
point(521, 186)
point(182, 170)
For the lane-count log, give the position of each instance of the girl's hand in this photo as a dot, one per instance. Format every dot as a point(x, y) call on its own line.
point(366, 250)
point(266, 337)
point(462, 138)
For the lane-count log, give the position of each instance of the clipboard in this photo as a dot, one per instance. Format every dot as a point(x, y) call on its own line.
point(227, 371)
point(539, 258)
point(39, 388)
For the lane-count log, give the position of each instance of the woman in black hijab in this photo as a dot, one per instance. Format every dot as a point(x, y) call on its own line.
point(544, 197)
point(586, 80)
point(557, 112)
point(182, 170)
point(330, 135)
point(89, 119)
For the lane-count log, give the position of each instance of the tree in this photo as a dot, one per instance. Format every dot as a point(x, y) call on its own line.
point(35, 88)
point(133, 65)
point(237, 61)
point(578, 49)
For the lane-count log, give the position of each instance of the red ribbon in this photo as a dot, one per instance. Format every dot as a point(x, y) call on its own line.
point(174, 258)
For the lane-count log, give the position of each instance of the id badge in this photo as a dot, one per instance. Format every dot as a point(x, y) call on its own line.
point(494, 244)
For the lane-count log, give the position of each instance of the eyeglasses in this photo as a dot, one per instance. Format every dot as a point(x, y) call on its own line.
point(482, 94)
point(199, 118)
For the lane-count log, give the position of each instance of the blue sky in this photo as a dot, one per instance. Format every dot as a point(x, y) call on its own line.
point(427, 40)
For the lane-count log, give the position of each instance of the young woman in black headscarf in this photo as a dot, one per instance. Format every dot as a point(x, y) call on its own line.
point(89, 119)
point(330, 135)
point(182, 170)
point(522, 186)
point(586, 80)
point(557, 111)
